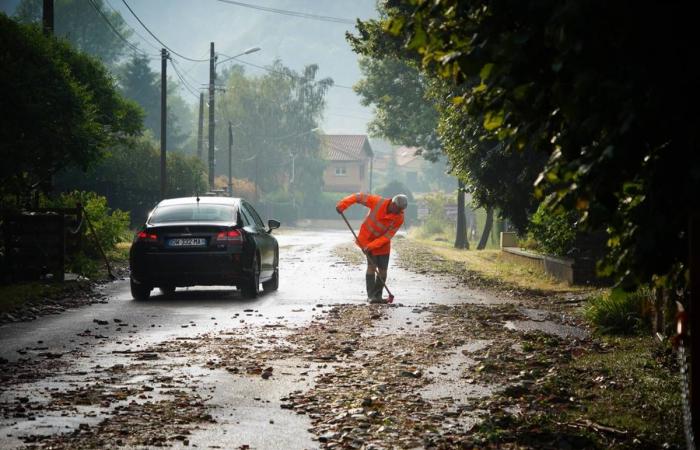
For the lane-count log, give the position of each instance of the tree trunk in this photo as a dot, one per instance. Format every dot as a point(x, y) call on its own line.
point(461, 240)
point(487, 229)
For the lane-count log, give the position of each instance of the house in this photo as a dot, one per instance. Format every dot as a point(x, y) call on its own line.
point(349, 162)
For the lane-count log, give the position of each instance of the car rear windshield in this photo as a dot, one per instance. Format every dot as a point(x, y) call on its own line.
point(194, 213)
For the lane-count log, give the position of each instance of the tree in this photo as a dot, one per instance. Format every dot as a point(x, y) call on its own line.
point(273, 116)
point(65, 110)
point(583, 83)
point(126, 176)
point(83, 26)
point(411, 104)
point(140, 83)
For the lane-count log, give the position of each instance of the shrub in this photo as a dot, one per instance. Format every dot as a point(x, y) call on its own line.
point(620, 312)
point(111, 227)
point(554, 232)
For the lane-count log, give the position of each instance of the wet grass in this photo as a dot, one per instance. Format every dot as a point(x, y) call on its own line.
point(620, 392)
point(635, 386)
point(618, 312)
point(479, 267)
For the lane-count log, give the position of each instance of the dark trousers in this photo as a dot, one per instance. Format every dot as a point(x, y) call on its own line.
point(374, 284)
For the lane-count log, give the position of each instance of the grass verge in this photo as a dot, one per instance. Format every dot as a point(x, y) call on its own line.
point(483, 268)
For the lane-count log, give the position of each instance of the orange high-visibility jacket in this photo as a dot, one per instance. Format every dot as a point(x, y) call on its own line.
point(379, 226)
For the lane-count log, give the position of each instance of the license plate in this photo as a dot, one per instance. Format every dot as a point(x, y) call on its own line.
point(187, 242)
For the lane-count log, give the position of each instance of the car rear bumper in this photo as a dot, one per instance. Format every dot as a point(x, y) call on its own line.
point(190, 269)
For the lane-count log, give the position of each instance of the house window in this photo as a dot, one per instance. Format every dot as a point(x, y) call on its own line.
point(341, 172)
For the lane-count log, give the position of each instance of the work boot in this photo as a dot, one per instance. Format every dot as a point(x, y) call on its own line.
point(371, 283)
point(378, 290)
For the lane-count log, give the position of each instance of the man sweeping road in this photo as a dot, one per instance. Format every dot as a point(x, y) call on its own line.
point(380, 225)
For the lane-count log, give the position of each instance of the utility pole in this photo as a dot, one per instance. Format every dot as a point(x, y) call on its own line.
point(163, 120)
point(230, 145)
point(200, 129)
point(212, 126)
point(47, 17)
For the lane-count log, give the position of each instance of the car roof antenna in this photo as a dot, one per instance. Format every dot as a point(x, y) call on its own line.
point(196, 195)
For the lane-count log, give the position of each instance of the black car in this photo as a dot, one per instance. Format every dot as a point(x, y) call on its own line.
point(204, 241)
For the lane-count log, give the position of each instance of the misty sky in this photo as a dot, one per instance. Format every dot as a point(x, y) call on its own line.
point(188, 26)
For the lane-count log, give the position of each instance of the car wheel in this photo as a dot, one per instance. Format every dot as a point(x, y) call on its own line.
point(251, 286)
point(139, 291)
point(273, 283)
point(167, 290)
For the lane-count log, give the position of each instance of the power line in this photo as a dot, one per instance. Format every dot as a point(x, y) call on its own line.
point(143, 38)
point(156, 37)
point(132, 46)
point(287, 12)
point(191, 81)
point(188, 87)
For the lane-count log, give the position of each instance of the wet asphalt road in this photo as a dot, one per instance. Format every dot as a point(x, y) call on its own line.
point(311, 279)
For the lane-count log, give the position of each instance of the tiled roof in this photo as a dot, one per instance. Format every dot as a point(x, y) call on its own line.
point(345, 147)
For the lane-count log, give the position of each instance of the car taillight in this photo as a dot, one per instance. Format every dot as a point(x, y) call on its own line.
point(230, 237)
point(143, 236)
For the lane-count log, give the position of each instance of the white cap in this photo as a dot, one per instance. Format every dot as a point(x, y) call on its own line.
point(401, 201)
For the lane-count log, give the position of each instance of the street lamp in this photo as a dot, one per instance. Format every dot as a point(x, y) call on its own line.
point(246, 52)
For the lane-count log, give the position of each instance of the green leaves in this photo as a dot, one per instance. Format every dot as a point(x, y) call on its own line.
point(493, 120)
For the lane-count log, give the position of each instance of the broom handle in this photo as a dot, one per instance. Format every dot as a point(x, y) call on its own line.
point(369, 255)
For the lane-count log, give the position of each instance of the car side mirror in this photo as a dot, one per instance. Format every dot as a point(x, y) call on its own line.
point(272, 224)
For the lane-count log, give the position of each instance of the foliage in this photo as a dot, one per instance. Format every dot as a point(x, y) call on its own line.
point(273, 116)
point(620, 312)
point(82, 26)
point(499, 177)
point(65, 109)
point(554, 231)
point(397, 89)
point(111, 227)
point(436, 222)
point(604, 96)
point(419, 104)
point(127, 176)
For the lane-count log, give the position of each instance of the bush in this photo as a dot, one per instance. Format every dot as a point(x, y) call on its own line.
point(620, 312)
point(554, 232)
point(111, 227)
point(436, 223)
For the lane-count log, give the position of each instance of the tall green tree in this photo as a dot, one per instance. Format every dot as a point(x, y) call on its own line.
point(415, 106)
point(139, 82)
point(606, 97)
point(273, 116)
point(83, 26)
point(127, 176)
point(65, 109)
